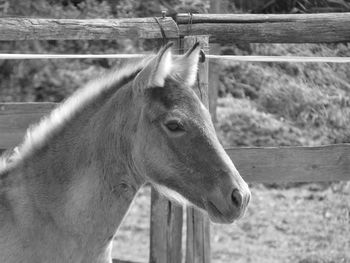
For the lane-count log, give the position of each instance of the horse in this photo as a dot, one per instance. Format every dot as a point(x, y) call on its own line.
point(67, 187)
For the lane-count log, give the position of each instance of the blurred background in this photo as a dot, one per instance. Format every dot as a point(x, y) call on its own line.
point(259, 104)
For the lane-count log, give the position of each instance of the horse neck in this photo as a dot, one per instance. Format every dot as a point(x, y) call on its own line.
point(86, 171)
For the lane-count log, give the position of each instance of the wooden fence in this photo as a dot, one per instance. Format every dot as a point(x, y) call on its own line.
point(273, 164)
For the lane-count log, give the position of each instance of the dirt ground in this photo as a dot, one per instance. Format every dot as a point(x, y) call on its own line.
point(305, 224)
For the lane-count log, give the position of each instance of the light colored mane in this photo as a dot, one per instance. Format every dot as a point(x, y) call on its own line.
point(39, 134)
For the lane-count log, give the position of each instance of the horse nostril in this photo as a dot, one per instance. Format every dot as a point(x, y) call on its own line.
point(237, 198)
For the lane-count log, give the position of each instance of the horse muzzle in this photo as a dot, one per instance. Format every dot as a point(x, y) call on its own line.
point(226, 209)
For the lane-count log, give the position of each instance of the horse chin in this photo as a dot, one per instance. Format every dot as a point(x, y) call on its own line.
point(216, 216)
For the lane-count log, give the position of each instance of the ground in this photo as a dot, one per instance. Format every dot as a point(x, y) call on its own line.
point(307, 224)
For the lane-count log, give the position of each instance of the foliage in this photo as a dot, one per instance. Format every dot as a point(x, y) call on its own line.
point(241, 124)
point(53, 80)
point(293, 6)
point(311, 98)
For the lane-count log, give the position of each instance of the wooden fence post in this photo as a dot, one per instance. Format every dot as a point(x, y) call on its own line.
point(166, 223)
point(198, 228)
point(213, 78)
point(216, 7)
point(165, 231)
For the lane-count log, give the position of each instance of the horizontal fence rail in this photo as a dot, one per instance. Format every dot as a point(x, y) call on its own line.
point(234, 58)
point(70, 56)
point(271, 165)
point(80, 29)
point(289, 59)
point(258, 28)
point(293, 164)
point(15, 118)
point(124, 261)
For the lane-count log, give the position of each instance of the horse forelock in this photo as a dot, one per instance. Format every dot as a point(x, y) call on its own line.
point(40, 133)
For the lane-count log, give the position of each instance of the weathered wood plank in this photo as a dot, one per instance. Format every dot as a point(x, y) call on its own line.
point(216, 7)
point(213, 78)
point(198, 228)
point(183, 18)
point(286, 28)
point(45, 29)
point(260, 28)
point(166, 230)
point(15, 118)
point(198, 237)
point(123, 261)
point(293, 164)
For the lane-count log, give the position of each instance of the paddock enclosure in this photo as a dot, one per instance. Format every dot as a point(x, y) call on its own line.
point(269, 165)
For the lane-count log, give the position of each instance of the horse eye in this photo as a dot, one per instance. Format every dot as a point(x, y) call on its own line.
point(174, 126)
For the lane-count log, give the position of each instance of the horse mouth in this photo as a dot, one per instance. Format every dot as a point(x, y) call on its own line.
point(216, 215)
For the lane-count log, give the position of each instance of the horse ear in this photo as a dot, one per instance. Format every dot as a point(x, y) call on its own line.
point(186, 67)
point(156, 71)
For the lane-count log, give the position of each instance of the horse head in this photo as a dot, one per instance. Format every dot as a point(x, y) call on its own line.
point(175, 146)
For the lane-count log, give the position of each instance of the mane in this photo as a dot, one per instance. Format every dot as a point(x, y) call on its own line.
point(38, 134)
